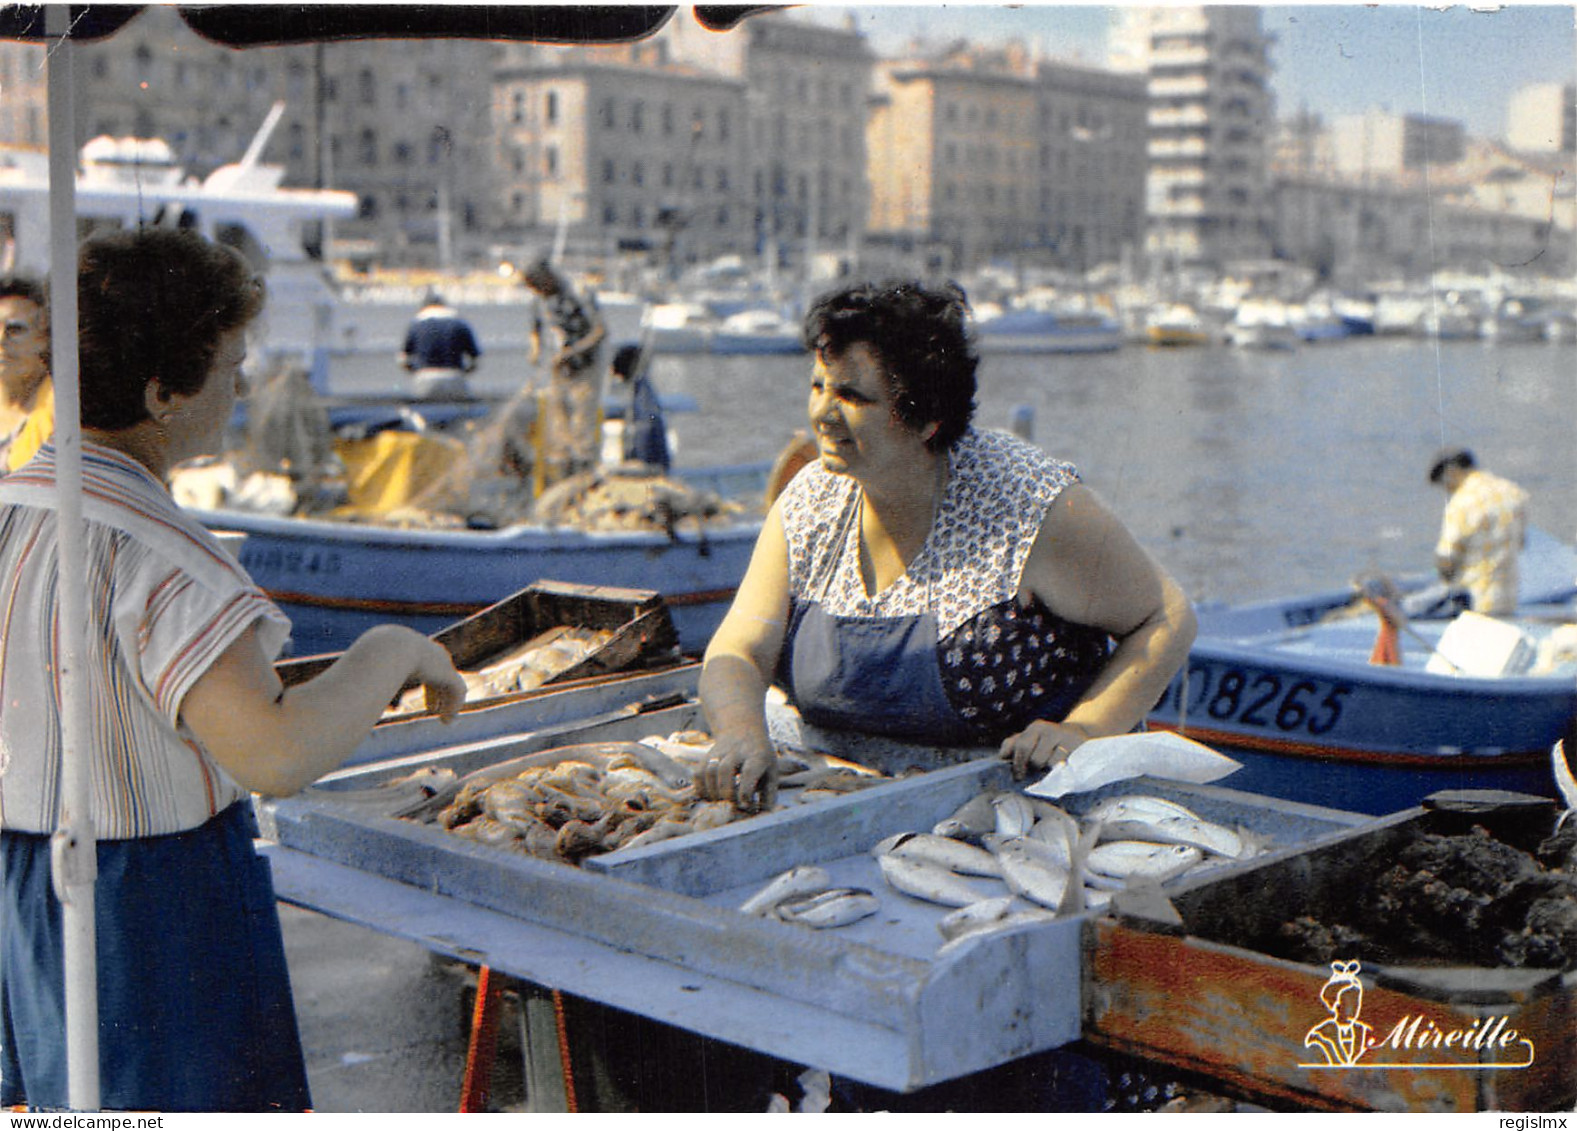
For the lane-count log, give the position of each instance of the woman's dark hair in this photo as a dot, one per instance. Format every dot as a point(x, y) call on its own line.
point(152, 306)
point(18, 286)
point(922, 338)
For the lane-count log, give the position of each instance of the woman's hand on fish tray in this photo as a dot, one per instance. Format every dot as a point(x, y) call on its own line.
point(1042, 746)
point(743, 769)
point(435, 671)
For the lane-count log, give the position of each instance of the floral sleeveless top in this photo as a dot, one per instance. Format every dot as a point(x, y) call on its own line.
point(1003, 664)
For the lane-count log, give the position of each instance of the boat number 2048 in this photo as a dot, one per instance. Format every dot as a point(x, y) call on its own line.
point(1259, 699)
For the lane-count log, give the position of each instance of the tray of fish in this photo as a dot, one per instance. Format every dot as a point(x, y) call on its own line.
point(872, 964)
point(530, 643)
point(1425, 962)
point(614, 781)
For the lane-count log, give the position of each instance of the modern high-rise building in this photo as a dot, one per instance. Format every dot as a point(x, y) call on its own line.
point(1543, 118)
point(1211, 118)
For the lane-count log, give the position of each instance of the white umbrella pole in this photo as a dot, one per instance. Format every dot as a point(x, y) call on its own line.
point(73, 850)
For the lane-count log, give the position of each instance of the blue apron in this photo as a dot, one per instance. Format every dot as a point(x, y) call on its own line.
point(877, 675)
point(884, 675)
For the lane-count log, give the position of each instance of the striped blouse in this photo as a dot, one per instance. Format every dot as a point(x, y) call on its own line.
point(164, 602)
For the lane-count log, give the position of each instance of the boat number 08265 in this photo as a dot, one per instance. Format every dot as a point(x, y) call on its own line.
point(1261, 699)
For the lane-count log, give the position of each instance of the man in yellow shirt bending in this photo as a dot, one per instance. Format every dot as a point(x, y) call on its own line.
point(1484, 528)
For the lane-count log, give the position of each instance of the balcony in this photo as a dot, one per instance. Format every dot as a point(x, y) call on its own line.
point(1178, 118)
point(1191, 86)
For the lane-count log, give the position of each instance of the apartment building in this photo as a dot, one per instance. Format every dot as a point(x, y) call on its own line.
point(953, 156)
point(404, 124)
point(22, 97)
point(1352, 233)
point(1210, 120)
point(1542, 118)
point(616, 151)
point(988, 153)
point(806, 89)
point(1394, 148)
point(1092, 157)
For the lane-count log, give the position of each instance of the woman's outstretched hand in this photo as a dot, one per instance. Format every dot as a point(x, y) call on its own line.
point(1041, 746)
point(444, 686)
point(742, 770)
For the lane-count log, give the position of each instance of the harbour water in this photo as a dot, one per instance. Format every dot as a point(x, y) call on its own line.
point(1248, 473)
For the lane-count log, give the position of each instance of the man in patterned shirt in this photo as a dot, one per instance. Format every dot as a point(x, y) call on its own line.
point(1482, 532)
point(571, 414)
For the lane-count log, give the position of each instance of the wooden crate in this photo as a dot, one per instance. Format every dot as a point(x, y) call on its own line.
point(643, 634)
point(1191, 995)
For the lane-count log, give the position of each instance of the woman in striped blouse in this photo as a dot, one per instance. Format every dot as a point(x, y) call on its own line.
point(188, 715)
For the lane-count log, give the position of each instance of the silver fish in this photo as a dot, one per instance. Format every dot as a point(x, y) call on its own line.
point(1016, 919)
point(926, 881)
point(975, 915)
point(1031, 874)
point(1137, 806)
point(1014, 815)
point(1129, 860)
point(1056, 838)
point(835, 907)
point(954, 855)
point(805, 879)
point(1564, 781)
point(971, 820)
point(1200, 833)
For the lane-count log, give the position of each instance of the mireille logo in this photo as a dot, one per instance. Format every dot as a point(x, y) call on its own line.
point(1413, 1041)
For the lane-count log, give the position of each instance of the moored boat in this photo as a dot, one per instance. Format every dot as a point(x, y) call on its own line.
point(1287, 686)
point(337, 579)
point(757, 331)
point(1262, 324)
point(1048, 331)
point(1176, 324)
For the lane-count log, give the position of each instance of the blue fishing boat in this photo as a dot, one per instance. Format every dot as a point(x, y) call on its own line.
point(337, 579)
point(1287, 687)
point(1049, 331)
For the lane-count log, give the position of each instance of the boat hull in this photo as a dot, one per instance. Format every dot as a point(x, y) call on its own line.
point(1287, 687)
point(1037, 332)
point(1367, 740)
point(336, 580)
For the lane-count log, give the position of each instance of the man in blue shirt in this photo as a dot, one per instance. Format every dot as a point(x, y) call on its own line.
point(645, 431)
point(440, 350)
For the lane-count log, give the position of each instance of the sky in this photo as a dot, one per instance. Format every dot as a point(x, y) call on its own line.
point(1450, 62)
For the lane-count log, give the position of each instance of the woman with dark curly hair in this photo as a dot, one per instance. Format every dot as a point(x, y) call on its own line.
point(927, 580)
point(187, 714)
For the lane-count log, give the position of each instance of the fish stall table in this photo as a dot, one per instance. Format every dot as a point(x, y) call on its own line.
point(656, 930)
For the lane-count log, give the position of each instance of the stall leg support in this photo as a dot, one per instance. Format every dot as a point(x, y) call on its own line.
point(550, 1082)
point(482, 1048)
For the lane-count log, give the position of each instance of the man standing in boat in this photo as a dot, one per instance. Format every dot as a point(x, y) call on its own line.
point(571, 419)
point(440, 350)
point(1483, 530)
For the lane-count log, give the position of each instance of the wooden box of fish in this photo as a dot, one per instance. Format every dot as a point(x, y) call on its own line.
point(869, 943)
point(1427, 962)
point(541, 638)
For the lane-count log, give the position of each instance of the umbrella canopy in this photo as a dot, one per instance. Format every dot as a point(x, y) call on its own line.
point(273, 25)
point(74, 846)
